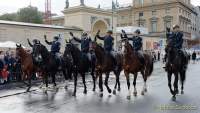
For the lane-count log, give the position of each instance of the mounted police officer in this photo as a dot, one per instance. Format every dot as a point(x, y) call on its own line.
point(108, 41)
point(137, 43)
point(108, 44)
point(55, 47)
point(85, 44)
point(35, 41)
point(175, 38)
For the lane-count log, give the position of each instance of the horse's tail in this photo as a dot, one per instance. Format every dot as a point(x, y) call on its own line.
point(149, 65)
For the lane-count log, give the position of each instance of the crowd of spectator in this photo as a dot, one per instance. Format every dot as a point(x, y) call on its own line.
point(10, 67)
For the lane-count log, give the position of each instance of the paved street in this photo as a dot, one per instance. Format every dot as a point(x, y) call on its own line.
point(157, 100)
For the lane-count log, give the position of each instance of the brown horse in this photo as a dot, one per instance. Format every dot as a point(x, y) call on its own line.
point(26, 65)
point(105, 64)
point(131, 64)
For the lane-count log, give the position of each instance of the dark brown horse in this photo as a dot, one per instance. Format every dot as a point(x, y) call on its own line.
point(131, 64)
point(105, 64)
point(176, 64)
point(26, 65)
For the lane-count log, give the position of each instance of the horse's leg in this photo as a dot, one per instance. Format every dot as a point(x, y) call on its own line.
point(94, 79)
point(176, 91)
point(175, 86)
point(29, 82)
point(134, 84)
point(106, 83)
point(54, 79)
point(182, 75)
point(85, 87)
point(145, 85)
point(66, 77)
point(75, 83)
point(128, 85)
point(169, 75)
point(117, 83)
point(100, 84)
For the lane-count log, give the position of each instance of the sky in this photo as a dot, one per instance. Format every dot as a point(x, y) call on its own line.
point(8, 6)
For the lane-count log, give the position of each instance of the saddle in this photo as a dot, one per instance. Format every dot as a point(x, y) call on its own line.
point(140, 56)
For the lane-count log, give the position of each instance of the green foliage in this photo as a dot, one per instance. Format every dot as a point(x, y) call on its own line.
point(9, 17)
point(28, 14)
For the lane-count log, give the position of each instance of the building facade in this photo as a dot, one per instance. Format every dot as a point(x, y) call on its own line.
point(19, 32)
point(156, 15)
point(90, 19)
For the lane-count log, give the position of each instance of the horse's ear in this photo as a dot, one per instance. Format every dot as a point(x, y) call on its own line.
point(66, 41)
point(17, 45)
point(20, 45)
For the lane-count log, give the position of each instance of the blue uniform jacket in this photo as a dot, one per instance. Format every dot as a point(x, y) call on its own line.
point(85, 44)
point(55, 46)
point(108, 42)
point(176, 39)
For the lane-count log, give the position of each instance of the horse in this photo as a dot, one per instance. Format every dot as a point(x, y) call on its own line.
point(131, 64)
point(105, 64)
point(27, 65)
point(81, 66)
point(47, 62)
point(176, 64)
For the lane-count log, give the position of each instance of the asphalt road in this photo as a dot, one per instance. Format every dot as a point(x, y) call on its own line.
point(156, 100)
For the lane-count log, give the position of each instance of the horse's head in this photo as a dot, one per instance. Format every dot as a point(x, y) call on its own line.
point(19, 50)
point(38, 51)
point(68, 49)
point(98, 49)
point(126, 47)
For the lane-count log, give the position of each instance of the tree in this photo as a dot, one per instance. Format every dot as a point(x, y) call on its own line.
point(9, 17)
point(30, 14)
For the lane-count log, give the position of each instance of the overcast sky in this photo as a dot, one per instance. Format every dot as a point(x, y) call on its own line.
point(8, 6)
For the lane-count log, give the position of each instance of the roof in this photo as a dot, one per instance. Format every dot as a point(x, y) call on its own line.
point(39, 25)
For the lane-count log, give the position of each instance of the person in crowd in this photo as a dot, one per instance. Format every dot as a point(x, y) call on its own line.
point(194, 56)
point(158, 56)
point(5, 74)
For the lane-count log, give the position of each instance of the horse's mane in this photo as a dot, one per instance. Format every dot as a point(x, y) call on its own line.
point(131, 47)
point(45, 53)
point(100, 47)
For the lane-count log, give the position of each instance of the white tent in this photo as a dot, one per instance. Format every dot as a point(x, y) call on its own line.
point(132, 29)
point(8, 44)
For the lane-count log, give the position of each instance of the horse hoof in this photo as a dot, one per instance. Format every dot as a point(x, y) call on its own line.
point(177, 91)
point(28, 90)
point(101, 95)
point(174, 98)
point(119, 89)
point(128, 97)
point(142, 93)
point(85, 92)
point(145, 90)
point(109, 91)
point(135, 94)
point(182, 92)
point(74, 95)
point(114, 92)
